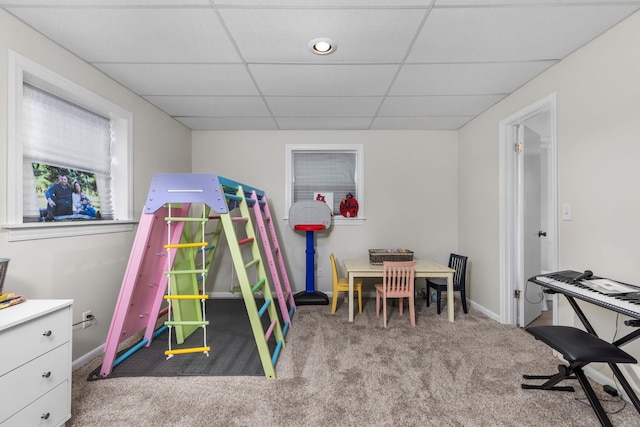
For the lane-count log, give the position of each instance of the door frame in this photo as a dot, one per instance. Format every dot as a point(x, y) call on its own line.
point(510, 238)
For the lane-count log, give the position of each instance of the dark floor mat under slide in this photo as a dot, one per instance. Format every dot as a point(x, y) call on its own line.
point(233, 348)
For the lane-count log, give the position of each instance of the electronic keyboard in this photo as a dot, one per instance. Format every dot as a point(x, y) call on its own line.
point(619, 297)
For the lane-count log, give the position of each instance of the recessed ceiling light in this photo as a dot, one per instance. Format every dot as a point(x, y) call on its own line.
point(322, 46)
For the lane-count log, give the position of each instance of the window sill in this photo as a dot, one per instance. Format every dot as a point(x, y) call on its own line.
point(348, 221)
point(50, 230)
point(342, 221)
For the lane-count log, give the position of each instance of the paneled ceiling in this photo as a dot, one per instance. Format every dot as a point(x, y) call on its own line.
point(247, 65)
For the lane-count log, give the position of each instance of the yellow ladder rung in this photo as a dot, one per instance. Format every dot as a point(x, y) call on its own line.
point(186, 245)
point(187, 350)
point(184, 219)
point(186, 297)
point(186, 272)
point(186, 323)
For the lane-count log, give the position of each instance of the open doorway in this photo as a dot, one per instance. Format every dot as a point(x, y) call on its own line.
point(528, 214)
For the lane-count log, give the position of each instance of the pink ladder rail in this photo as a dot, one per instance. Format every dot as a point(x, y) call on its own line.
point(144, 283)
point(271, 246)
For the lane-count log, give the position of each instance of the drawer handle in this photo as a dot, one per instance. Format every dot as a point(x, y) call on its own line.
point(46, 374)
point(46, 334)
point(45, 416)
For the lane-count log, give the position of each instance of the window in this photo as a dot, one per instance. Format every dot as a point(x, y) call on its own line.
point(60, 136)
point(332, 173)
point(50, 120)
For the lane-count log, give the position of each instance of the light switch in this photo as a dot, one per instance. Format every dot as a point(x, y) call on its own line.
point(566, 211)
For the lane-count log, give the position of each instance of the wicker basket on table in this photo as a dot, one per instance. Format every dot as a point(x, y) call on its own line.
point(379, 256)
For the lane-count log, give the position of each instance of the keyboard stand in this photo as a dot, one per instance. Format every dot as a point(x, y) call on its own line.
point(619, 342)
point(566, 291)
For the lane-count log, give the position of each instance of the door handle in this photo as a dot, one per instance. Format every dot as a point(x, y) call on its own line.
point(542, 233)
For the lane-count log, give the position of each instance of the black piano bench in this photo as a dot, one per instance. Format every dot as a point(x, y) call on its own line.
point(579, 348)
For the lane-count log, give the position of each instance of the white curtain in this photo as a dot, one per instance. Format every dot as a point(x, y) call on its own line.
point(322, 172)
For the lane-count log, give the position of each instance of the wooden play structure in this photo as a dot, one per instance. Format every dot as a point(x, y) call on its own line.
point(184, 217)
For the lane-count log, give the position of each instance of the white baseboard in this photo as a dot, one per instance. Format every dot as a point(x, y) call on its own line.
point(83, 360)
point(490, 314)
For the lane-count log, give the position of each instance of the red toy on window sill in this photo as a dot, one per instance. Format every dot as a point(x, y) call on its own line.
point(349, 206)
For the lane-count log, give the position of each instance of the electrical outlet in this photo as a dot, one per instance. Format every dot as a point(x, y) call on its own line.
point(320, 272)
point(87, 318)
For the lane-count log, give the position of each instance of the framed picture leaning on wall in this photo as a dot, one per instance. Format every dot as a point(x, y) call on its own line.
point(63, 194)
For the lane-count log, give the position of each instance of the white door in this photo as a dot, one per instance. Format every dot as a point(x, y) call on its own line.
point(528, 208)
point(533, 206)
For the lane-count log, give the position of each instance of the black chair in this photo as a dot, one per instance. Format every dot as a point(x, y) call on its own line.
point(458, 263)
point(579, 348)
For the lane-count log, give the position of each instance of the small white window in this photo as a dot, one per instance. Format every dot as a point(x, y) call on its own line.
point(332, 173)
point(56, 125)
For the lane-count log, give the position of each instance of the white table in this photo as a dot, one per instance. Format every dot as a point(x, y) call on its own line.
point(424, 268)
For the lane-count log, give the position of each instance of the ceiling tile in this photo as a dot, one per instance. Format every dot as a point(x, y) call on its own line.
point(362, 35)
point(437, 105)
point(135, 35)
point(465, 79)
point(511, 33)
point(182, 79)
point(211, 106)
point(323, 80)
point(321, 106)
point(228, 123)
point(323, 123)
point(419, 123)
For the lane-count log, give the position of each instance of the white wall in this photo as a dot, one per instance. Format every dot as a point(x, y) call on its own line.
point(410, 193)
point(88, 269)
point(598, 98)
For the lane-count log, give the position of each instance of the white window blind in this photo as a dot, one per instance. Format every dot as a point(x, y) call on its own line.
point(59, 133)
point(322, 172)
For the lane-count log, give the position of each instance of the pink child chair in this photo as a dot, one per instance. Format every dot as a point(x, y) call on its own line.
point(397, 282)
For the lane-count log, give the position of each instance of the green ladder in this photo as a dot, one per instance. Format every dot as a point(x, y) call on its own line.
point(235, 195)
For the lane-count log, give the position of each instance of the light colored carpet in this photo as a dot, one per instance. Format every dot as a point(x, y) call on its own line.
point(333, 372)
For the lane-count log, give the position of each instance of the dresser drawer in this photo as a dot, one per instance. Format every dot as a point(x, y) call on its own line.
point(52, 409)
point(32, 380)
point(33, 338)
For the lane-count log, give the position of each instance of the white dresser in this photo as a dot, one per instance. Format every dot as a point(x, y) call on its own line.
point(35, 363)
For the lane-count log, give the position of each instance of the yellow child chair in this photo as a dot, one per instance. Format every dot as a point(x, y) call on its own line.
point(341, 284)
point(397, 282)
